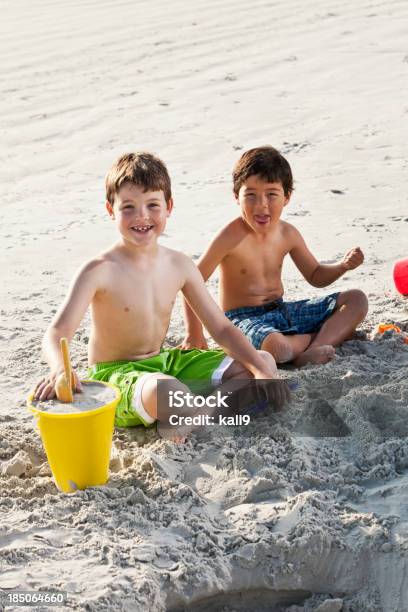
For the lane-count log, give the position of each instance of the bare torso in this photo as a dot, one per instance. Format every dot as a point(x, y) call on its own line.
point(132, 307)
point(250, 273)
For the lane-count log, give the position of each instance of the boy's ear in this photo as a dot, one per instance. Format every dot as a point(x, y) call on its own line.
point(170, 205)
point(109, 208)
point(287, 198)
point(235, 196)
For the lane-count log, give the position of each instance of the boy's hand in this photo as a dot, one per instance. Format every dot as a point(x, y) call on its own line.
point(45, 389)
point(191, 342)
point(273, 389)
point(353, 259)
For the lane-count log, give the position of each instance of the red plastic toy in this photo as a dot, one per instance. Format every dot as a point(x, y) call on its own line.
point(401, 276)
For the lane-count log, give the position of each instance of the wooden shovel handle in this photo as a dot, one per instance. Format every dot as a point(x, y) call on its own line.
point(67, 362)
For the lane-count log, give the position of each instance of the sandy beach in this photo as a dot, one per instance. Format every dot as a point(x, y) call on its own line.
point(301, 511)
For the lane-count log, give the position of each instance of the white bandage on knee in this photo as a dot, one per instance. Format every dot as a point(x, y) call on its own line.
point(218, 373)
point(137, 404)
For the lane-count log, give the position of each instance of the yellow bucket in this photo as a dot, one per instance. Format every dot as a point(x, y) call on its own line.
point(78, 445)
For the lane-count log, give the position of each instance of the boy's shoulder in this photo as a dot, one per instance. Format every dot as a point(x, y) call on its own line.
point(290, 231)
point(288, 228)
point(236, 227)
point(100, 261)
point(101, 266)
point(231, 235)
point(174, 257)
point(94, 264)
point(170, 259)
point(237, 230)
point(114, 257)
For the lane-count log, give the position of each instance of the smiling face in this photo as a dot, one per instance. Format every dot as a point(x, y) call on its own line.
point(140, 215)
point(261, 203)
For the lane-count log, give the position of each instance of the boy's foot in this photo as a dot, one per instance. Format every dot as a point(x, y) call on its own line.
point(315, 354)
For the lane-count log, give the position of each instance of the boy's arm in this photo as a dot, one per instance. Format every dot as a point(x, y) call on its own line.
point(207, 263)
point(317, 274)
point(229, 337)
point(64, 324)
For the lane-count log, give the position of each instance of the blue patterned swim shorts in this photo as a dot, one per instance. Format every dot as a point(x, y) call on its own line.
point(300, 317)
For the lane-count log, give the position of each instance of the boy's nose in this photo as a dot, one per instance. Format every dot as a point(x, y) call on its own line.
point(141, 213)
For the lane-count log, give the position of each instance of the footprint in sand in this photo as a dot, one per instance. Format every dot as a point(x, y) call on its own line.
point(320, 421)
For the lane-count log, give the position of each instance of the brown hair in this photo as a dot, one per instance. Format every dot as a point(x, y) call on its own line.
point(141, 168)
point(266, 162)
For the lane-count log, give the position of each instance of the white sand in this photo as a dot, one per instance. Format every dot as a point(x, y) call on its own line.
point(261, 519)
point(93, 396)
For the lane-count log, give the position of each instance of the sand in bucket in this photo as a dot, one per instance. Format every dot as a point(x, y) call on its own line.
point(77, 437)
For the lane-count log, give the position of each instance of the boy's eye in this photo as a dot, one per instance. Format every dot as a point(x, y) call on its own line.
point(153, 205)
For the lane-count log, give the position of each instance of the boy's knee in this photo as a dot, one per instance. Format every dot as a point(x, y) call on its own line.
point(358, 301)
point(150, 387)
point(268, 358)
point(278, 347)
point(362, 300)
point(157, 388)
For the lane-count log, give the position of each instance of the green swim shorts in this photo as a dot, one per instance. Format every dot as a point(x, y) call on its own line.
point(203, 368)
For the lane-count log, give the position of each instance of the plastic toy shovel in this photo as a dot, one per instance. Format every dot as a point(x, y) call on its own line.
point(65, 382)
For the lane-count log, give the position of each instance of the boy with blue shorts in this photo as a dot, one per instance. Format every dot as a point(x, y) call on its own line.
point(131, 288)
point(250, 251)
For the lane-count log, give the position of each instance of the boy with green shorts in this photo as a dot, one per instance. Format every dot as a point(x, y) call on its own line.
point(131, 288)
point(205, 369)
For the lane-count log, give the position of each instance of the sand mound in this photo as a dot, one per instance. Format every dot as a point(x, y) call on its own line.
point(304, 510)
